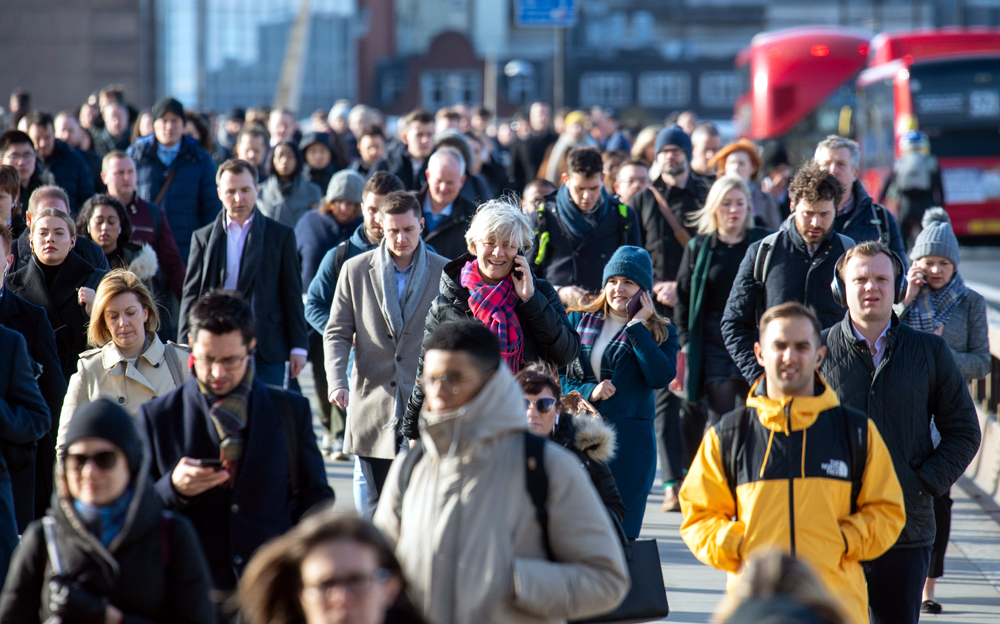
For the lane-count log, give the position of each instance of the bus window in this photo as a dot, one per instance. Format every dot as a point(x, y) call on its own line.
point(958, 105)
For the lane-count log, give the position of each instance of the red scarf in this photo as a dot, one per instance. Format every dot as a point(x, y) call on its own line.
point(494, 307)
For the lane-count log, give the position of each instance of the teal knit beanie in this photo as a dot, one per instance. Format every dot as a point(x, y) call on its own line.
point(632, 263)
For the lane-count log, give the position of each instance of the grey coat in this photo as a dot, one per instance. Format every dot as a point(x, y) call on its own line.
point(384, 369)
point(305, 196)
point(967, 335)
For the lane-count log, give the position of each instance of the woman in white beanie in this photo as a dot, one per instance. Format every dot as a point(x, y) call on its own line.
point(938, 301)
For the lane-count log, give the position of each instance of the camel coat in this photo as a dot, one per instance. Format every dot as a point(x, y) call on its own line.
point(385, 368)
point(105, 373)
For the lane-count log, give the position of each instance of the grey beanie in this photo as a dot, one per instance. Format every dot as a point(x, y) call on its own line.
point(937, 237)
point(347, 185)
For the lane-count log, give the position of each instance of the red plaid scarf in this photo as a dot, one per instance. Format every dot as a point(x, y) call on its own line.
point(494, 307)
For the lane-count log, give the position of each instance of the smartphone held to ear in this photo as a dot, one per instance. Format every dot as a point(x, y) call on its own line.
point(634, 304)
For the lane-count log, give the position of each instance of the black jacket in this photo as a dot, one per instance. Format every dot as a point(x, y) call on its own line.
point(916, 378)
point(156, 573)
point(547, 333)
point(399, 163)
point(528, 155)
point(791, 276)
point(68, 318)
point(657, 236)
point(448, 238)
point(270, 279)
point(593, 441)
point(233, 523)
point(860, 223)
point(71, 173)
point(85, 248)
point(567, 261)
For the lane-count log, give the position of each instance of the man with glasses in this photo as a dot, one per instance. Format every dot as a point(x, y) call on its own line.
point(17, 150)
point(465, 529)
point(237, 457)
point(381, 302)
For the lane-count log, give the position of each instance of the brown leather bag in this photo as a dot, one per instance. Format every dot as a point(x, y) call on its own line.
point(680, 233)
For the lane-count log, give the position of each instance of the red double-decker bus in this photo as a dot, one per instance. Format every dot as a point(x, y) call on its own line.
point(945, 82)
point(806, 83)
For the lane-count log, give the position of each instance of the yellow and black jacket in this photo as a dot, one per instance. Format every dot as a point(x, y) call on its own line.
point(793, 492)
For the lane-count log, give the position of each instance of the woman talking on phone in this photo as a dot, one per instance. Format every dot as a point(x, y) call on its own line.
point(493, 283)
point(627, 350)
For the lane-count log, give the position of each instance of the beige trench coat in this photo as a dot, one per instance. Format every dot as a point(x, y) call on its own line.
point(468, 539)
point(382, 365)
point(105, 373)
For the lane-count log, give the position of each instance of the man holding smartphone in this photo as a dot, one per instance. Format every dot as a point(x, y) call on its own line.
point(576, 239)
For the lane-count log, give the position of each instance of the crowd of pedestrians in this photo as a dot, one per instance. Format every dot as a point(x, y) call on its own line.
point(510, 325)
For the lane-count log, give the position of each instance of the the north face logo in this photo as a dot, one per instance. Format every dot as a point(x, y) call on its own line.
point(835, 468)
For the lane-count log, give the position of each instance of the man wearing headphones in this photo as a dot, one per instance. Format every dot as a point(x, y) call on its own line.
point(900, 378)
point(795, 264)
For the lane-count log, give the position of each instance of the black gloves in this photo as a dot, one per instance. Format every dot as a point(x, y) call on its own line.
point(74, 604)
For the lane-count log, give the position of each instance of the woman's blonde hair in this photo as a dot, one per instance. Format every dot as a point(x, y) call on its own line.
point(53, 212)
point(772, 573)
point(645, 138)
point(705, 218)
point(656, 324)
point(500, 220)
point(119, 282)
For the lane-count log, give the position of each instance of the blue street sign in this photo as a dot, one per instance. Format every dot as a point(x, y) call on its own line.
point(546, 13)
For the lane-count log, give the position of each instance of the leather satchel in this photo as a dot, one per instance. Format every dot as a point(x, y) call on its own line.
point(646, 600)
point(680, 233)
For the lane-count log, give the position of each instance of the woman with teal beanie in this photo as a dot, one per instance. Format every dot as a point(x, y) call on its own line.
point(625, 353)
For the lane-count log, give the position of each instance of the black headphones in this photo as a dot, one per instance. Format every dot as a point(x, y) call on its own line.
point(839, 289)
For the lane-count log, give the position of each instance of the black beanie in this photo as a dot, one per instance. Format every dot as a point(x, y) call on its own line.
point(107, 420)
point(167, 105)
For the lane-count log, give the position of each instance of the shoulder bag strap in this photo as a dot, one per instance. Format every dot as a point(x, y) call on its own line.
point(166, 185)
point(49, 530)
point(680, 233)
point(537, 483)
point(170, 353)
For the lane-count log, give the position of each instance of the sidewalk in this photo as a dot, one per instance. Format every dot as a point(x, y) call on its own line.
point(969, 591)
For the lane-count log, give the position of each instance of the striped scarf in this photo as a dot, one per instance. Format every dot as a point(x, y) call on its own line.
point(229, 415)
point(494, 307)
point(933, 307)
point(589, 330)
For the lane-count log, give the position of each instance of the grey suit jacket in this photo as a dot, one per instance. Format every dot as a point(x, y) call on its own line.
point(382, 365)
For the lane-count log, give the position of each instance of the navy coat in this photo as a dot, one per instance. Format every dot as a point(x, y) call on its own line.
point(72, 173)
point(233, 523)
point(192, 200)
point(630, 410)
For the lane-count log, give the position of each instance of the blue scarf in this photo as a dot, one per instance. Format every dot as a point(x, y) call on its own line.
point(589, 329)
point(932, 308)
point(578, 223)
point(105, 522)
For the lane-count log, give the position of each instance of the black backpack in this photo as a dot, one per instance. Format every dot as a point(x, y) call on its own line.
point(536, 481)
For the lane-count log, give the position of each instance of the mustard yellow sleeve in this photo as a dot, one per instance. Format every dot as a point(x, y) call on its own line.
point(708, 508)
point(881, 514)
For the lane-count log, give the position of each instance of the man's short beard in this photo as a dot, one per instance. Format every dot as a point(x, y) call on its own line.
point(676, 170)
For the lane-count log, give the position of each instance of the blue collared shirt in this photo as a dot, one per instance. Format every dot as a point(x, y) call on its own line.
point(167, 155)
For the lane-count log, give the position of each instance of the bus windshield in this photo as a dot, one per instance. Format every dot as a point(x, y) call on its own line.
point(957, 104)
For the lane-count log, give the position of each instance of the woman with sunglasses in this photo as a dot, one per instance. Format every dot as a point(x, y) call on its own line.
point(329, 568)
point(107, 552)
point(577, 430)
point(128, 364)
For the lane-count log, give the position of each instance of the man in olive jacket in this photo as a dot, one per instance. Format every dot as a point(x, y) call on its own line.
point(900, 377)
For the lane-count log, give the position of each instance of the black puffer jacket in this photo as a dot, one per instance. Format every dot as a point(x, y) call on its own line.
point(918, 377)
point(793, 275)
point(593, 441)
point(154, 571)
point(547, 332)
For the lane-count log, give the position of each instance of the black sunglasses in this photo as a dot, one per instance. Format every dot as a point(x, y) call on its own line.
point(105, 460)
point(542, 405)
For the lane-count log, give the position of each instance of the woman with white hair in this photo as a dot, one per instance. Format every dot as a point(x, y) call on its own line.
point(493, 283)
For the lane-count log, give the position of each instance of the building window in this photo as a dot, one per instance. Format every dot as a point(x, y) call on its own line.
point(393, 86)
point(671, 89)
point(447, 87)
point(719, 89)
point(606, 89)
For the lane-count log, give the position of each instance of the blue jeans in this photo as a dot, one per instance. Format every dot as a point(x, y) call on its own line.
point(896, 584)
point(271, 374)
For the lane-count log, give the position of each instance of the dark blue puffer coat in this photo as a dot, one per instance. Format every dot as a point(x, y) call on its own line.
point(191, 201)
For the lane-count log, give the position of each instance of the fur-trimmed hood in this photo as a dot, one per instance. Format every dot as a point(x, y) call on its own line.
point(143, 262)
point(588, 434)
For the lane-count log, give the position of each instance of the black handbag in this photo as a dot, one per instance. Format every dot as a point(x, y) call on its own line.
point(646, 600)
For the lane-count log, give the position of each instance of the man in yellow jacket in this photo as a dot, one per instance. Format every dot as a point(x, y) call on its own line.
point(794, 470)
